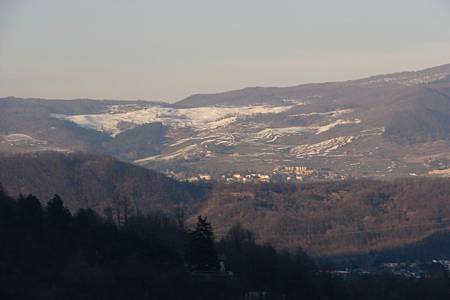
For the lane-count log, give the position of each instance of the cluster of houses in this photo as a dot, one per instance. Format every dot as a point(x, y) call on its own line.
point(296, 173)
point(190, 177)
point(417, 270)
point(238, 177)
point(280, 174)
point(246, 177)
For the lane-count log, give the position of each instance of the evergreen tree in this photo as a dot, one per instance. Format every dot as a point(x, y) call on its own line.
point(57, 214)
point(202, 252)
point(7, 207)
point(29, 211)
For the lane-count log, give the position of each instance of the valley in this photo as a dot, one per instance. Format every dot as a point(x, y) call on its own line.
point(324, 218)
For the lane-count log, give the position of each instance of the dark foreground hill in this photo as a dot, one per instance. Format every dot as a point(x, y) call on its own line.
point(48, 253)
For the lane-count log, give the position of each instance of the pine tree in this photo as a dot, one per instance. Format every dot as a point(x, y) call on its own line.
point(202, 252)
point(7, 206)
point(29, 211)
point(57, 214)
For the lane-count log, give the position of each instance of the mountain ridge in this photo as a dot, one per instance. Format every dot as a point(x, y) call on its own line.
point(190, 100)
point(95, 181)
point(386, 126)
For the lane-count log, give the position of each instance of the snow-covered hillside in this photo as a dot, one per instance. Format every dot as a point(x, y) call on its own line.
point(119, 117)
point(204, 132)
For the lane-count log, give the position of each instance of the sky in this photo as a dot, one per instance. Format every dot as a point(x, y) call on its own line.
point(169, 49)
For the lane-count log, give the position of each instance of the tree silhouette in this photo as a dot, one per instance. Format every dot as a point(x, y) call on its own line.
point(57, 215)
point(202, 252)
point(7, 206)
point(29, 211)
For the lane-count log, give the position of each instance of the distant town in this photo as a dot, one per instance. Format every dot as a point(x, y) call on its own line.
point(411, 269)
point(280, 174)
point(283, 174)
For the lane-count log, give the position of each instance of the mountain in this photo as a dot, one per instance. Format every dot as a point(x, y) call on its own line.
point(85, 180)
point(386, 126)
point(275, 95)
point(31, 125)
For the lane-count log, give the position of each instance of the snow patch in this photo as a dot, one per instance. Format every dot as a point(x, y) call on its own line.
point(322, 148)
point(373, 131)
point(23, 138)
point(333, 113)
point(338, 122)
point(199, 118)
point(272, 134)
point(186, 153)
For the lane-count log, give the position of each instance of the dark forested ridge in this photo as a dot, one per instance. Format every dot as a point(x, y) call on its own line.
point(91, 181)
point(434, 247)
point(49, 253)
point(330, 218)
point(141, 141)
point(324, 218)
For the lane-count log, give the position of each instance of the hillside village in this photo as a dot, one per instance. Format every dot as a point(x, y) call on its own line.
point(282, 174)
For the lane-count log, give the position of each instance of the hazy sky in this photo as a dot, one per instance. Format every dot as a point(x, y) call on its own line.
point(168, 49)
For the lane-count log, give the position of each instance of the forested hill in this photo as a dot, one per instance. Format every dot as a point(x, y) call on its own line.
point(94, 181)
point(335, 217)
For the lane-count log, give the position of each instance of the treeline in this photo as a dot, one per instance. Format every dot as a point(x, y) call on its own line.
point(46, 252)
point(335, 217)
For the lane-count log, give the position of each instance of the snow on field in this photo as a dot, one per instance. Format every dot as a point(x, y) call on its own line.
point(333, 113)
point(25, 141)
point(322, 148)
point(199, 118)
point(272, 134)
point(336, 123)
point(294, 101)
point(373, 131)
point(186, 153)
point(221, 122)
point(182, 141)
point(23, 138)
